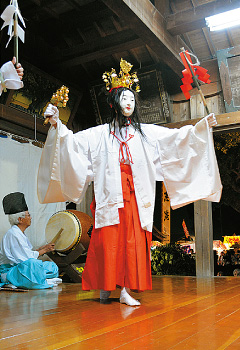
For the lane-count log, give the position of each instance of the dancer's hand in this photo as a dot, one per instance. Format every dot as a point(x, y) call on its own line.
point(211, 119)
point(19, 68)
point(52, 113)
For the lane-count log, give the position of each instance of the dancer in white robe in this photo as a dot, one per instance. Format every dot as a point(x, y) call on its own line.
point(183, 158)
point(124, 159)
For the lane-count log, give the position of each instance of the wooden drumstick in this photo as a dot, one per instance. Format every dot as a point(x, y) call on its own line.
point(57, 236)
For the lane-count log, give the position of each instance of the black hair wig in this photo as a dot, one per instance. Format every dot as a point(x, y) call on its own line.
point(116, 115)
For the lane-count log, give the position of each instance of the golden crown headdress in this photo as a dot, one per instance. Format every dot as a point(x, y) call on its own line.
point(123, 79)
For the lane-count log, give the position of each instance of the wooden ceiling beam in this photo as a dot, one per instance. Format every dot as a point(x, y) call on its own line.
point(78, 13)
point(194, 3)
point(152, 54)
point(97, 48)
point(230, 38)
point(116, 23)
point(100, 43)
point(186, 39)
point(172, 6)
point(45, 8)
point(99, 29)
point(147, 22)
point(209, 41)
point(77, 4)
point(163, 7)
point(83, 19)
point(192, 19)
point(101, 53)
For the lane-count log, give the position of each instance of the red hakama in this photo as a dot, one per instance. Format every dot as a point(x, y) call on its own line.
point(119, 255)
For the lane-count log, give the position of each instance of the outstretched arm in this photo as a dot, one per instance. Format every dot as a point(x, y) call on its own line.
point(65, 168)
point(188, 162)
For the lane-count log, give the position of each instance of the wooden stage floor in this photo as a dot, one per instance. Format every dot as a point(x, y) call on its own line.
point(179, 313)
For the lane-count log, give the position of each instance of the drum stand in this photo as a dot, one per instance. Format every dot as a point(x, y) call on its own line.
point(66, 264)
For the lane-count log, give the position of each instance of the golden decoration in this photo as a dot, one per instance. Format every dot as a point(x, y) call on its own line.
point(124, 79)
point(60, 97)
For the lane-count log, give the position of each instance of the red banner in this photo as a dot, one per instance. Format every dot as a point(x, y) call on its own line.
point(200, 73)
point(185, 229)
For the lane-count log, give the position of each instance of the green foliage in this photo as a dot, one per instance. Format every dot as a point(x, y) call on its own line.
point(170, 259)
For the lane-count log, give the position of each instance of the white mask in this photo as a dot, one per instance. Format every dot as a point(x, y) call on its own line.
point(127, 103)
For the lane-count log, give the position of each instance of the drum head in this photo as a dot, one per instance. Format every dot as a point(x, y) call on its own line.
point(71, 232)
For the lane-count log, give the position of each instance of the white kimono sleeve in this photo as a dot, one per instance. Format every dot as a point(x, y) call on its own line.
point(65, 170)
point(189, 164)
point(10, 77)
point(19, 250)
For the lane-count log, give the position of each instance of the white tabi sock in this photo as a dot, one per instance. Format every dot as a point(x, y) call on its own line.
point(10, 285)
point(55, 280)
point(125, 298)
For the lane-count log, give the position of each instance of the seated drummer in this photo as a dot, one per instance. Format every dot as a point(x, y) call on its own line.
point(19, 264)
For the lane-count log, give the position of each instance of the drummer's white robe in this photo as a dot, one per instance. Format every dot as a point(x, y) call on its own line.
point(15, 247)
point(184, 158)
point(19, 264)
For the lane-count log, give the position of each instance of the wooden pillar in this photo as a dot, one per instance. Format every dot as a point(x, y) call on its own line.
point(165, 216)
point(204, 239)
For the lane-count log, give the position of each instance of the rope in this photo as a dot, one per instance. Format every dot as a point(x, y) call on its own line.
point(121, 152)
point(10, 135)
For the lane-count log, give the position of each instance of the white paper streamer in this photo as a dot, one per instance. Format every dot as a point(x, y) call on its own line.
point(8, 15)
